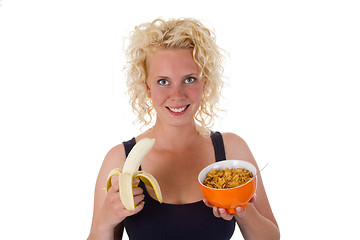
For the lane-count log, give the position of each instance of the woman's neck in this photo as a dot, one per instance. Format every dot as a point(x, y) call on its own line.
point(172, 138)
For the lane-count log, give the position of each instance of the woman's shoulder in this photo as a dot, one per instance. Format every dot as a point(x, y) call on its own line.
point(236, 147)
point(232, 140)
point(115, 157)
point(116, 152)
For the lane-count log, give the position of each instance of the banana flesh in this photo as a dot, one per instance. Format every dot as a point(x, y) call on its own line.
point(130, 171)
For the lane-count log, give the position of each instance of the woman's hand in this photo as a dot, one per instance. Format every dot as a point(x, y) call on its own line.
point(221, 212)
point(113, 211)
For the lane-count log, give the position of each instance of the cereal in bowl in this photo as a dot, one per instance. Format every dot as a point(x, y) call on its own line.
point(228, 178)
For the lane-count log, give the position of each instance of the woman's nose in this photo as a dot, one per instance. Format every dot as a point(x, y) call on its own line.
point(177, 92)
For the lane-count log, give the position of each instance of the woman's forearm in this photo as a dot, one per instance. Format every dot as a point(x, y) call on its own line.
point(255, 226)
point(99, 233)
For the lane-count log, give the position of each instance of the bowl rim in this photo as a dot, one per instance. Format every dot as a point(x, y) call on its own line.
point(214, 165)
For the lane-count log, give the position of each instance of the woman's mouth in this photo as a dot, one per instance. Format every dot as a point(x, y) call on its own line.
point(178, 110)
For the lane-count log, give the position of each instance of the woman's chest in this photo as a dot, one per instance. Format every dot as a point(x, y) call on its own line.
point(177, 174)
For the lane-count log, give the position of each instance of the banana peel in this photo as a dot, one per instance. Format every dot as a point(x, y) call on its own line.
point(130, 171)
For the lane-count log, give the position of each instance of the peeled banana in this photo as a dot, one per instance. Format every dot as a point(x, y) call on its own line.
point(130, 171)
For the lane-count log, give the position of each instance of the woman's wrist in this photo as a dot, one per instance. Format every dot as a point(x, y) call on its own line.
point(256, 226)
point(248, 214)
point(98, 234)
point(101, 232)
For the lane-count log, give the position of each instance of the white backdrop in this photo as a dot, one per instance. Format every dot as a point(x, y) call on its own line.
point(292, 71)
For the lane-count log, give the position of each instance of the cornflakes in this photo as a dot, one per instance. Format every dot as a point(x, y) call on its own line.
point(228, 178)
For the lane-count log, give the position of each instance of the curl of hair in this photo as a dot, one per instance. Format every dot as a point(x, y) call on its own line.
point(185, 33)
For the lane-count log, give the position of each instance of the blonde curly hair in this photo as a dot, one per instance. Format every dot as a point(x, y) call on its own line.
point(185, 33)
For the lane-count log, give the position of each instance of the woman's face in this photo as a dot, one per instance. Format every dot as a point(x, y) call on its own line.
point(174, 86)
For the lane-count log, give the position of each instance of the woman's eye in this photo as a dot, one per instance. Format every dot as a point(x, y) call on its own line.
point(163, 82)
point(190, 80)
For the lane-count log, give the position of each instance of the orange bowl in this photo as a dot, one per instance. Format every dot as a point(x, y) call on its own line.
point(229, 198)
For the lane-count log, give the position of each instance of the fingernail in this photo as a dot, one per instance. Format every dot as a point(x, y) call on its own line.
point(238, 209)
point(222, 210)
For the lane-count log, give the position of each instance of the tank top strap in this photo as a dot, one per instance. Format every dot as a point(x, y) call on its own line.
point(219, 147)
point(128, 145)
point(216, 138)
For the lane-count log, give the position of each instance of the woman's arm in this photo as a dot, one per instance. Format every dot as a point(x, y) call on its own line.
point(109, 212)
point(253, 225)
point(257, 221)
point(100, 230)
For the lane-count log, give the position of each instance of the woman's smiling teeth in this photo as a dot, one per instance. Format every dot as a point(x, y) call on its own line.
point(177, 109)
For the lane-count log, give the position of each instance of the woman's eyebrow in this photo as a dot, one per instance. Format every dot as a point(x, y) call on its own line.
point(161, 77)
point(191, 75)
point(185, 76)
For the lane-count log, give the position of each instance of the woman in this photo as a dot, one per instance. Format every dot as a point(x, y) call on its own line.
point(174, 74)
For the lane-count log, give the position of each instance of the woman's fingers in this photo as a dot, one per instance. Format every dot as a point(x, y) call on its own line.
point(115, 184)
point(114, 180)
point(207, 203)
point(136, 181)
point(240, 212)
point(114, 188)
point(224, 214)
point(113, 211)
point(219, 212)
point(138, 208)
point(138, 195)
point(216, 212)
point(137, 191)
point(138, 199)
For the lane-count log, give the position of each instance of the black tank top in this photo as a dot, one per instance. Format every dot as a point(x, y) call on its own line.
point(192, 221)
